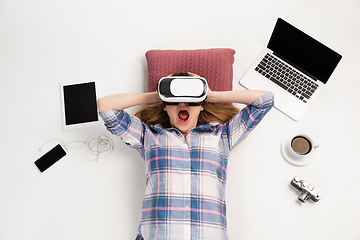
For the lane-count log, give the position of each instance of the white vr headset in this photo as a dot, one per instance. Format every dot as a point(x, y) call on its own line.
point(175, 89)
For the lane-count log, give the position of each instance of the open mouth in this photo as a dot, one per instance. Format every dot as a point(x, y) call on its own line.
point(183, 115)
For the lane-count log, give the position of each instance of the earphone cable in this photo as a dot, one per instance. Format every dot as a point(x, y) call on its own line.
point(97, 146)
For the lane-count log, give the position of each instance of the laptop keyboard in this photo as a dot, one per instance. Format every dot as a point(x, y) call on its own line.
point(287, 77)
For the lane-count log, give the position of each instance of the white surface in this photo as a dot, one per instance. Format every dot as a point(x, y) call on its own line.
point(44, 42)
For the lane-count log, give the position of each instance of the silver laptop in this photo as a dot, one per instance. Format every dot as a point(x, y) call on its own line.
point(294, 66)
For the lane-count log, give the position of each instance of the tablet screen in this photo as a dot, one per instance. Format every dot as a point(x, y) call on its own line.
point(80, 103)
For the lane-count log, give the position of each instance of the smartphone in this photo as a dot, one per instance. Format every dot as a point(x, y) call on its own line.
point(49, 158)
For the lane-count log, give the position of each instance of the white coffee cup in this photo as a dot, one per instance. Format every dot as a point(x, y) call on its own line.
point(301, 145)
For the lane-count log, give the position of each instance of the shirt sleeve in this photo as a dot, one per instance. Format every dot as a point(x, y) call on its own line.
point(240, 126)
point(129, 128)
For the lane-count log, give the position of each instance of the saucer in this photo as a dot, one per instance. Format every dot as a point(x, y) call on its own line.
point(301, 161)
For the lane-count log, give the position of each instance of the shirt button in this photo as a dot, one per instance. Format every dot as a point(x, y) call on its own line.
point(187, 207)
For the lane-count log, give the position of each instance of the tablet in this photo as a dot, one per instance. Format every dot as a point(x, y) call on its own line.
point(78, 102)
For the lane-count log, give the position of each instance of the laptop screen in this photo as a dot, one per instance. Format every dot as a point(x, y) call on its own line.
point(303, 51)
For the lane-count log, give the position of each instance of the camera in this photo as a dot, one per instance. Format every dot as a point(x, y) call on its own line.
point(306, 189)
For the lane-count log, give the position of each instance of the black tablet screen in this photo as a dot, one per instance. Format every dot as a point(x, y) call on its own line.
point(80, 103)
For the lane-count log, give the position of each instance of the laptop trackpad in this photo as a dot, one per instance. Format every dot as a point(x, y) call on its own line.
point(279, 94)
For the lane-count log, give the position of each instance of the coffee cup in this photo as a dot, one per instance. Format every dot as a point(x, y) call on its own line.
point(301, 145)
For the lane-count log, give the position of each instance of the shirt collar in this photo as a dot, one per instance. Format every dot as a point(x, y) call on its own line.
point(201, 128)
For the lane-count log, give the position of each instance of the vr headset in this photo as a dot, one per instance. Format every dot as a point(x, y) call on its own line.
point(182, 88)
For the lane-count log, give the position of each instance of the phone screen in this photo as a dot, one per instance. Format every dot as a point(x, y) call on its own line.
point(49, 158)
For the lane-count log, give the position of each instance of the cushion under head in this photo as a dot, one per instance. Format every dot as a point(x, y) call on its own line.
point(215, 65)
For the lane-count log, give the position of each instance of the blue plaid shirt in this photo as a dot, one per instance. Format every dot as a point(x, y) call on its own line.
point(186, 177)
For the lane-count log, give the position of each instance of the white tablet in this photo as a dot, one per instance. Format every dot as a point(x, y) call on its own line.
point(78, 102)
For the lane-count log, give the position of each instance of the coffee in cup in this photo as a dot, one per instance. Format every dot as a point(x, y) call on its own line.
point(301, 145)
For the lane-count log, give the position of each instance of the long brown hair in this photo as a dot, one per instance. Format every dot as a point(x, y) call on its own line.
point(213, 112)
point(154, 113)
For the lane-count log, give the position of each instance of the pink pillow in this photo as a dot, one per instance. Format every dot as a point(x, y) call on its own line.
point(215, 65)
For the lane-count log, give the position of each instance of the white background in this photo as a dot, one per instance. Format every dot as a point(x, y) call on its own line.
point(43, 42)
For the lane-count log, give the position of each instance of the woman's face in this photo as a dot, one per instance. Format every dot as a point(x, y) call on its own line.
point(183, 117)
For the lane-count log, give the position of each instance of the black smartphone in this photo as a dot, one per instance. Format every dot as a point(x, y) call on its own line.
point(49, 158)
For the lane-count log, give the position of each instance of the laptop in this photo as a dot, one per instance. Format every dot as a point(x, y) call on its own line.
point(294, 66)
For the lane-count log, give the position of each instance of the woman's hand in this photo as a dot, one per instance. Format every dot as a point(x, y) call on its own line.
point(235, 96)
point(209, 95)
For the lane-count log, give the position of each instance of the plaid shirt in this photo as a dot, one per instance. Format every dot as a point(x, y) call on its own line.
point(185, 178)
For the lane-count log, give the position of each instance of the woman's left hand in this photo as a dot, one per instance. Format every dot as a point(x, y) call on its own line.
point(209, 95)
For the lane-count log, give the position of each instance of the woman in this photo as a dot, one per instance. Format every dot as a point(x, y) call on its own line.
point(185, 149)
